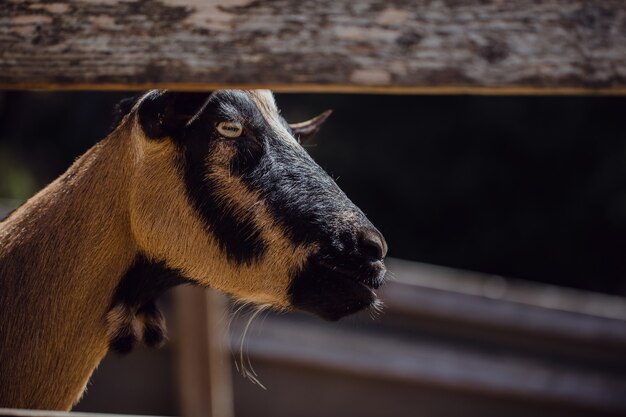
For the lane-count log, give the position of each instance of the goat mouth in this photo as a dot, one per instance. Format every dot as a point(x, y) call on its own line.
point(332, 291)
point(370, 275)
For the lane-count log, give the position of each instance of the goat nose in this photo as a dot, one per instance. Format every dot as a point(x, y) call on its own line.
point(372, 244)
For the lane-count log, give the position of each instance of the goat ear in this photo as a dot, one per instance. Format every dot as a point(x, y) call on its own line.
point(165, 114)
point(306, 130)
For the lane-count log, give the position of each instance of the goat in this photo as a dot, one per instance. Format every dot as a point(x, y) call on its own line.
point(206, 188)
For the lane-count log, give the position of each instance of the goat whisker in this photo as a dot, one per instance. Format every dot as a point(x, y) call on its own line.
point(245, 366)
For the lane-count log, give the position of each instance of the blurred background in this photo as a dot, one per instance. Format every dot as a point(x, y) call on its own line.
point(527, 193)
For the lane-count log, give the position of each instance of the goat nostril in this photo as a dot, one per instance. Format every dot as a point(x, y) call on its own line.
point(372, 244)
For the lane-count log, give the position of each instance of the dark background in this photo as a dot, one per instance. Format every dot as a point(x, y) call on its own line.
point(525, 187)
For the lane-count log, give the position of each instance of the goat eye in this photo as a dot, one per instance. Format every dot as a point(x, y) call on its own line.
point(230, 129)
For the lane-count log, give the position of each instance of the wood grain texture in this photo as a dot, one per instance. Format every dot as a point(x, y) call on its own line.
point(481, 46)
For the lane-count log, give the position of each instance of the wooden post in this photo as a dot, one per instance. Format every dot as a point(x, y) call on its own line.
point(204, 364)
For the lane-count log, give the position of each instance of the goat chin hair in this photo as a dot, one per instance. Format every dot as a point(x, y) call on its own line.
point(243, 364)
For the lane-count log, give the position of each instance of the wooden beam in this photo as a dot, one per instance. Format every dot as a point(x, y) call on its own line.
point(408, 46)
point(202, 355)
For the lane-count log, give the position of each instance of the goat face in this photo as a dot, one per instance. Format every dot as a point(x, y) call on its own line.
point(225, 194)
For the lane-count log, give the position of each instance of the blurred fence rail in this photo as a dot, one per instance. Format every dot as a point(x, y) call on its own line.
point(13, 412)
point(449, 343)
point(407, 46)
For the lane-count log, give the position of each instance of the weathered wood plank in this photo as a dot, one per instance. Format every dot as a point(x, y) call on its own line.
point(203, 361)
point(414, 46)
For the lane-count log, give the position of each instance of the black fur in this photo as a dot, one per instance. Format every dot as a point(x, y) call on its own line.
point(146, 280)
point(303, 198)
point(165, 114)
point(236, 233)
point(135, 295)
point(122, 109)
point(331, 295)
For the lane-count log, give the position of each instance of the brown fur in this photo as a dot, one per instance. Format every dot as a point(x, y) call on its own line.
point(64, 252)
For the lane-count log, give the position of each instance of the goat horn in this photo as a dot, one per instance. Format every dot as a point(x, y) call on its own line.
point(306, 130)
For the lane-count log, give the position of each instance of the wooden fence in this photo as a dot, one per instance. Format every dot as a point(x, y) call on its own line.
point(405, 46)
point(451, 343)
point(420, 46)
